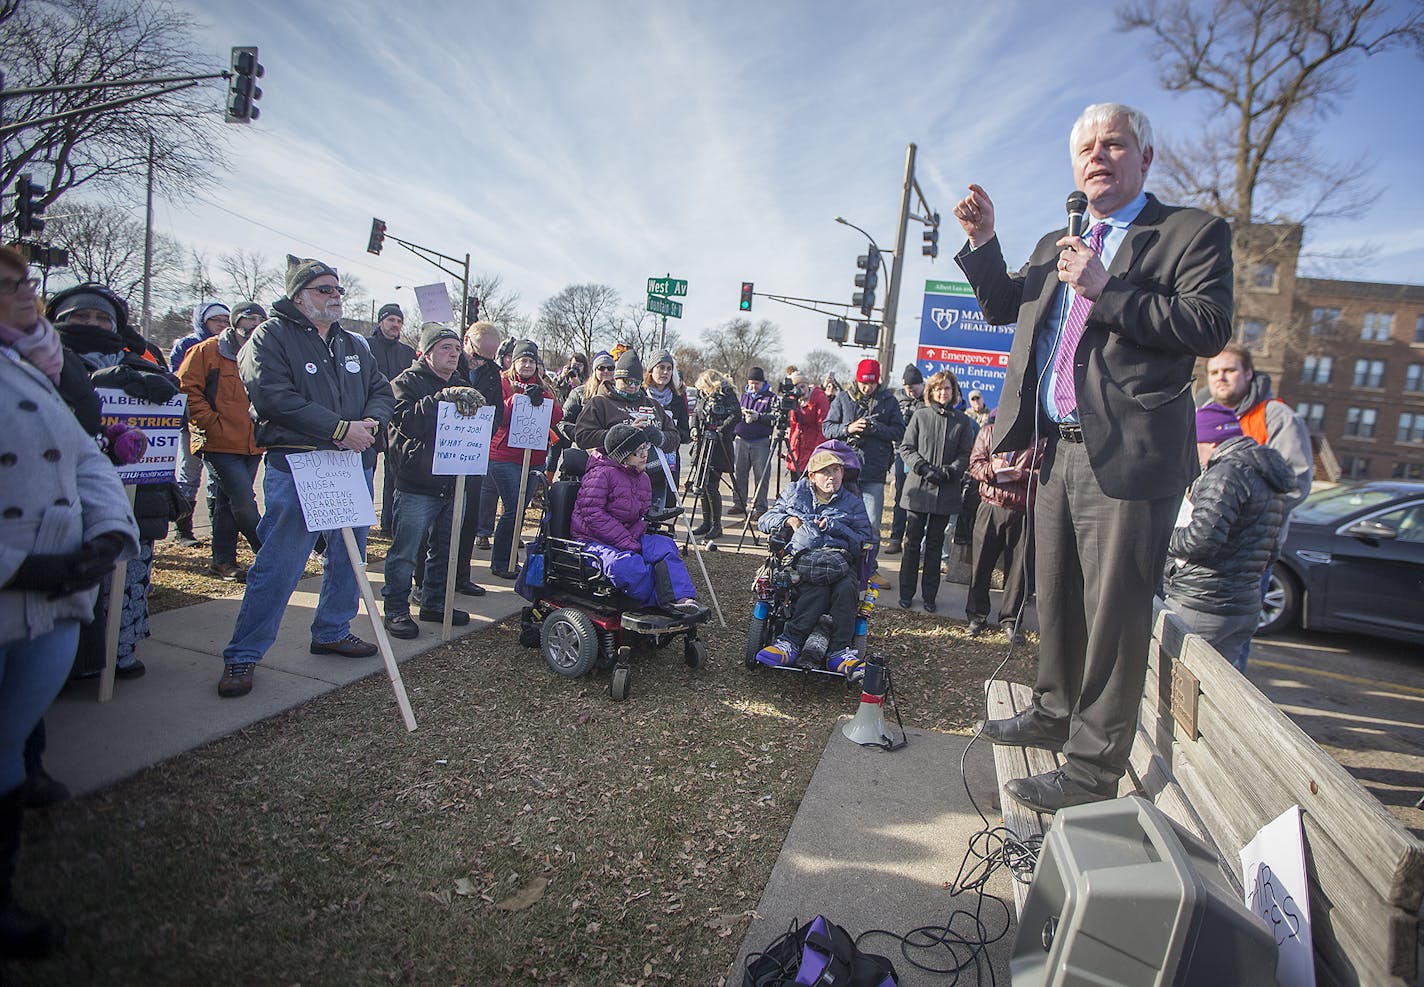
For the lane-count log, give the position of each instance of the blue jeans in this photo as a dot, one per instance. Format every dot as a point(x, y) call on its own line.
point(32, 672)
point(286, 545)
point(505, 477)
point(489, 505)
point(414, 517)
point(231, 476)
point(873, 496)
point(897, 513)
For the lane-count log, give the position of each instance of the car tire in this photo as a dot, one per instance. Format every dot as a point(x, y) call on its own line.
point(1281, 607)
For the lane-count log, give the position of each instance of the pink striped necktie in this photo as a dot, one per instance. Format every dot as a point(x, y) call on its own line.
point(1065, 396)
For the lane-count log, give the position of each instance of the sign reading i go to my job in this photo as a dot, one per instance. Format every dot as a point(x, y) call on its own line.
point(462, 444)
point(331, 485)
point(954, 336)
point(160, 422)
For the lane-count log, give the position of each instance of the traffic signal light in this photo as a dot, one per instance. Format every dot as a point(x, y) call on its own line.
point(242, 91)
point(378, 236)
point(472, 310)
point(746, 305)
point(931, 245)
point(837, 330)
point(29, 212)
point(866, 280)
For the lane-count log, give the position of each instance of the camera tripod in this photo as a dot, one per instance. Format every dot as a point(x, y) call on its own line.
point(699, 466)
point(779, 449)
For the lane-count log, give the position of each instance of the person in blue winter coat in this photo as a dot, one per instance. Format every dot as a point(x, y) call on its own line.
point(209, 320)
point(820, 513)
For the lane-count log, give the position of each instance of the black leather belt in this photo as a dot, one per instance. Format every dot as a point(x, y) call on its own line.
point(1069, 432)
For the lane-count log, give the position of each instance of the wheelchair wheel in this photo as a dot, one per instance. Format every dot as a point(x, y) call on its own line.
point(621, 683)
point(570, 642)
point(756, 640)
point(695, 654)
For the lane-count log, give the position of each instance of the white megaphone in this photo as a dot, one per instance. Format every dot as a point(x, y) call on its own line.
point(867, 727)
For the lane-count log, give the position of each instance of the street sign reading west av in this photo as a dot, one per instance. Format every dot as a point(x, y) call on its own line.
point(661, 306)
point(667, 287)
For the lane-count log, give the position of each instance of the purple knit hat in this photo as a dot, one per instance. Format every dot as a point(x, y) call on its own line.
point(1216, 423)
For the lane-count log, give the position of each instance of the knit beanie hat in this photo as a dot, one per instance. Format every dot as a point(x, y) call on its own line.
point(525, 347)
point(912, 376)
point(602, 358)
point(82, 300)
point(622, 440)
point(243, 309)
point(1216, 423)
point(868, 371)
point(756, 373)
point(303, 271)
point(203, 313)
point(628, 367)
point(390, 308)
point(432, 332)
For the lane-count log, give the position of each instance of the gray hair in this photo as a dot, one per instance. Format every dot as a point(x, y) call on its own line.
point(1101, 114)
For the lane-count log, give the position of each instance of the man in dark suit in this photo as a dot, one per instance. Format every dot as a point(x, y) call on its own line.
point(1109, 327)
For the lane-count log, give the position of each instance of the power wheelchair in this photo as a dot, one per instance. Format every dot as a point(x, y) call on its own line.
point(578, 619)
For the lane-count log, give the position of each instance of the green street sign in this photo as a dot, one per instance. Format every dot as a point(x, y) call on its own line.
point(667, 287)
point(661, 306)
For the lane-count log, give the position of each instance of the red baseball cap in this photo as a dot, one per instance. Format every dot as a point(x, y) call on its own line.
point(868, 371)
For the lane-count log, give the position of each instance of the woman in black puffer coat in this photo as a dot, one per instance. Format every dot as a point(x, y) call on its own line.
point(935, 451)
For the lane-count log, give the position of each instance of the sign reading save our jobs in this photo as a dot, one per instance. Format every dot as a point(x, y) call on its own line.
point(954, 336)
point(160, 422)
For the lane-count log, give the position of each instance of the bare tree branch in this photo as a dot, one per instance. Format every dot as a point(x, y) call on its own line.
point(106, 245)
point(251, 276)
point(580, 318)
point(737, 345)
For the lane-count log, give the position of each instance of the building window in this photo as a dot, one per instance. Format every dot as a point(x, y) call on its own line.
point(1251, 333)
point(1324, 321)
point(1265, 276)
point(1314, 414)
point(1419, 329)
point(1355, 467)
point(1408, 471)
point(1369, 373)
point(1411, 427)
point(1360, 422)
point(1377, 326)
point(1317, 370)
point(1414, 377)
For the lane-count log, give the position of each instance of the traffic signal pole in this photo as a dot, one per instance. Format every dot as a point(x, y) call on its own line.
point(886, 350)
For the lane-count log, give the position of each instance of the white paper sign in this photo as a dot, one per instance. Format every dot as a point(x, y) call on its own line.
point(1273, 873)
point(462, 444)
point(528, 425)
point(331, 485)
point(434, 302)
point(162, 423)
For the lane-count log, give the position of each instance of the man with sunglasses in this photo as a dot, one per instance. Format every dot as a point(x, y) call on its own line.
point(312, 385)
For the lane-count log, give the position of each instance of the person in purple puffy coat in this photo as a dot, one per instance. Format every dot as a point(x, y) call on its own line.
point(610, 517)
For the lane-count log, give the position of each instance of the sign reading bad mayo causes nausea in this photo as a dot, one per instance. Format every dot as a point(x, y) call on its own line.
point(462, 444)
point(162, 423)
point(331, 486)
point(954, 336)
point(528, 425)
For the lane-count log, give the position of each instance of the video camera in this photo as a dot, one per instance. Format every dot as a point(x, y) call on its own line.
point(715, 411)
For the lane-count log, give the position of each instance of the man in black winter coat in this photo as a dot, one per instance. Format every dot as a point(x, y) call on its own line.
point(393, 357)
point(480, 367)
point(1220, 550)
point(867, 417)
point(423, 500)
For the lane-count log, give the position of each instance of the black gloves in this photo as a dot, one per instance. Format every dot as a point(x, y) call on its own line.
point(68, 572)
point(922, 468)
point(466, 400)
point(147, 382)
point(938, 475)
point(535, 393)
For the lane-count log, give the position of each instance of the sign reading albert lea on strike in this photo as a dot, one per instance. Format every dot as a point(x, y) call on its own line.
point(160, 422)
point(954, 336)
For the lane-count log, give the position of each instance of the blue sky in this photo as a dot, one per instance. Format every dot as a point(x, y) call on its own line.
point(609, 142)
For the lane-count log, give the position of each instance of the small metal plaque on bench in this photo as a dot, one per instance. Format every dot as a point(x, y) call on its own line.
point(1185, 691)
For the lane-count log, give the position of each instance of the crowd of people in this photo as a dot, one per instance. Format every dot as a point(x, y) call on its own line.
point(1038, 486)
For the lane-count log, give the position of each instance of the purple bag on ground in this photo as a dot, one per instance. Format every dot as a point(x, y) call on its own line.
point(819, 952)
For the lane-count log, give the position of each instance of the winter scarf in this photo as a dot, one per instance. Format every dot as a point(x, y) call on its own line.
point(39, 345)
point(91, 339)
point(662, 395)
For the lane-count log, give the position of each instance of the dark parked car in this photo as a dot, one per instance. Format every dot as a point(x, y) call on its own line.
point(1353, 561)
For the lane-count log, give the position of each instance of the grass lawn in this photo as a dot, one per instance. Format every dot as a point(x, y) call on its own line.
point(531, 831)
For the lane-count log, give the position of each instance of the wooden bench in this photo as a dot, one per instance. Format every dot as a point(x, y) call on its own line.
point(1219, 758)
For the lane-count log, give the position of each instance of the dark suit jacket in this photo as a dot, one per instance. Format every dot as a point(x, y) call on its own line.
point(1167, 301)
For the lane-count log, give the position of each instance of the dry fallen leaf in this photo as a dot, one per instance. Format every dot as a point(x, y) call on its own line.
point(525, 897)
point(465, 888)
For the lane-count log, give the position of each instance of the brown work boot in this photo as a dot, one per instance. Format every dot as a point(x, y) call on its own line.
point(236, 679)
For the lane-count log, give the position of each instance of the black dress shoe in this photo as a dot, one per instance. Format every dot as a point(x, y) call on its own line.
point(458, 618)
point(468, 588)
point(504, 573)
point(1024, 730)
point(350, 646)
point(930, 606)
point(1052, 791)
point(400, 625)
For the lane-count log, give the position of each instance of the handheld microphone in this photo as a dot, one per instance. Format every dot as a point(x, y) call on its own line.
point(1077, 206)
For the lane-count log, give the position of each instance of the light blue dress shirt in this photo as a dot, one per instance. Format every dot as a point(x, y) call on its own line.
point(1046, 345)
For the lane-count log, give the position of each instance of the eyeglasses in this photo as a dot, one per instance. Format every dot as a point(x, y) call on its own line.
point(604, 370)
point(9, 287)
point(327, 289)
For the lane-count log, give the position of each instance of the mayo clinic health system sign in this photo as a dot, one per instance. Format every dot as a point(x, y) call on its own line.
point(954, 336)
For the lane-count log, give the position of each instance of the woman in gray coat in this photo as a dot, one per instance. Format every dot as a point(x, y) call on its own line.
point(935, 451)
point(64, 521)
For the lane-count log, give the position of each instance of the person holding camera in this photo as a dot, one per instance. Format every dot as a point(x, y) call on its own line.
point(712, 420)
point(626, 401)
point(868, 419)
point(522, 377)
point(751, 443)
point(807, 414)
point(664, 386)
point(936, 455)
